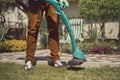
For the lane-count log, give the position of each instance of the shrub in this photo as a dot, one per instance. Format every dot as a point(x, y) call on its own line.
point(3, 31)
point(66, 48)
point(13, 45)
point(100, 50)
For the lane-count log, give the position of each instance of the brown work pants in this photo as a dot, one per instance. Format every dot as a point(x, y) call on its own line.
point(37, 9)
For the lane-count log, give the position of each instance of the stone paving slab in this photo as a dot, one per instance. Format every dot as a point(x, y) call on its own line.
point(43, 56)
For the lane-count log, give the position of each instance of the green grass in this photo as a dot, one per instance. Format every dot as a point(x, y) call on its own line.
point(11, 71)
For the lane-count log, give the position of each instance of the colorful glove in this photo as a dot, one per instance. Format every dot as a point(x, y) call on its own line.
point(64, 3)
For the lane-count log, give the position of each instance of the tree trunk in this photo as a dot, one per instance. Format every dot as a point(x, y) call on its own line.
point(25, 7)
point(2, 19)
point(119, 32)
point(103, 31)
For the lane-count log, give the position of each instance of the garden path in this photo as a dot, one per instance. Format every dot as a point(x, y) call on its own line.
point(43, 57)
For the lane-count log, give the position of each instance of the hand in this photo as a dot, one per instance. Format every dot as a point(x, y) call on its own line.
point(64, 3)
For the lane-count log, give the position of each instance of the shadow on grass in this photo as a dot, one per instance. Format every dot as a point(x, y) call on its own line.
point(78, 68)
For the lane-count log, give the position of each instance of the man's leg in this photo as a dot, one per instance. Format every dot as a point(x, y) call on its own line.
point(53, 25)
point(35, 16)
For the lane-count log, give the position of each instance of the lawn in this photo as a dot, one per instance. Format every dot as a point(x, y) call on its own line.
point(11, 71)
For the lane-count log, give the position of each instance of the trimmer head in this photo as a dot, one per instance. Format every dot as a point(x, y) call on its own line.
point(78, 54)
point(75, 62)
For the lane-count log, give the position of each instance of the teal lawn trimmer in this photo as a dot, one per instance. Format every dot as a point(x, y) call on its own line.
point(78, 55)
